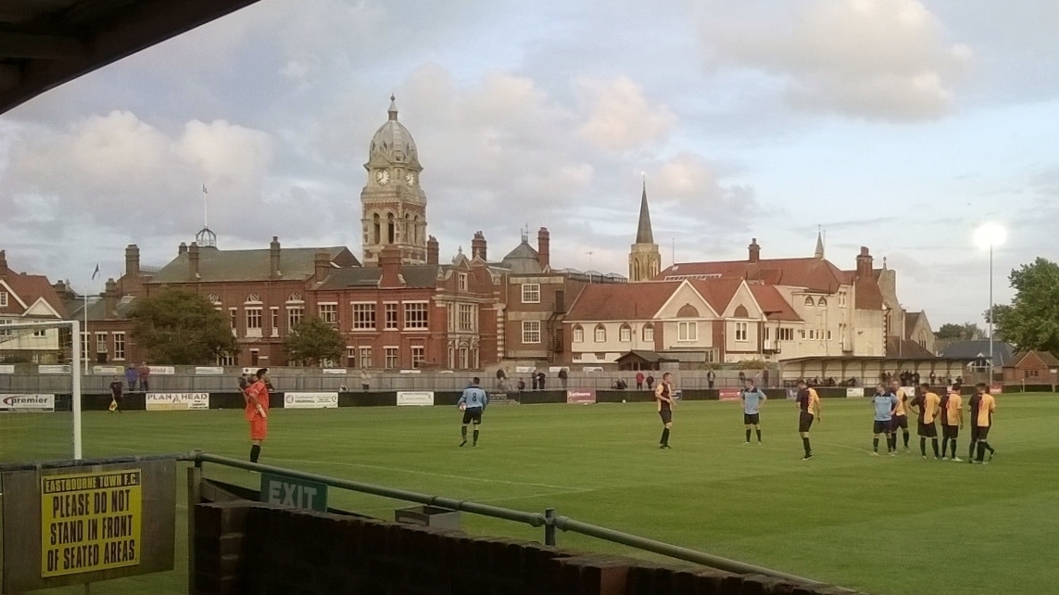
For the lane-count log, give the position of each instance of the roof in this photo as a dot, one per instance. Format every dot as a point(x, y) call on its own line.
point(644, 235)
point(816, 274)
point(392, 141)
point(97, 308)
point(523, 260)
point(641, 301)
point(1003, 353)
point(652, 357)
point(867, 295)
point(1046, 358)
point(425, 275)
point(904, 348)
point(250, 265)
point(44, 44)
point(29, 289)
point(773, 304)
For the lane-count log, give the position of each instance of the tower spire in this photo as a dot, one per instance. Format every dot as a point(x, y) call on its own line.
point(819, 242)
point(393, 107)
point(644, 233)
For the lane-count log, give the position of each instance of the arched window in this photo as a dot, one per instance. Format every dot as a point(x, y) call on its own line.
point(376, 229)
point(579, 334)
point(741, 312)
point(648, 333)
point(391, 229)
point(688, 311)
point(821, 302)
point(416, 233)
point(408, 233)
point(625, 333)
point(601, 334)
point(809, 301)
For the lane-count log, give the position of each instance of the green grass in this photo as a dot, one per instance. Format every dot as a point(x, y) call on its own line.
point(886, 525)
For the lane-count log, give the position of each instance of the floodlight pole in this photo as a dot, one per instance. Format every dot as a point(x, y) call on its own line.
point(75, 387)
point(990, 313)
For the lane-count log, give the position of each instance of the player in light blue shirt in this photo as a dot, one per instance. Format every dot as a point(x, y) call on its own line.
point(472, 402)
point(753, 397)
point(884, 403)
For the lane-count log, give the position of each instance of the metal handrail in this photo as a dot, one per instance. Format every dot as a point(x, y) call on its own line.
point(64, 463)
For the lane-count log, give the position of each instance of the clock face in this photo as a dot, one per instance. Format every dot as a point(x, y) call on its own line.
point(410, 178)
point(382, 176)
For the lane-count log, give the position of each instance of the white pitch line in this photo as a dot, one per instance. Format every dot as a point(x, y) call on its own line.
point(431, 474)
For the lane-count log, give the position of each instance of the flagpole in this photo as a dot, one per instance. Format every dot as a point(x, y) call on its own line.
point(205, 208)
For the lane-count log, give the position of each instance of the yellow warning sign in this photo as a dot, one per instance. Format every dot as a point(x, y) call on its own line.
point(90, 521)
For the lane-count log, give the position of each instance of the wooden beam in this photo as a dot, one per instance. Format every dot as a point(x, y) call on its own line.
point(40, 47)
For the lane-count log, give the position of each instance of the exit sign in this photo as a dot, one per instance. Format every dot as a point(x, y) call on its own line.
point(295, 493)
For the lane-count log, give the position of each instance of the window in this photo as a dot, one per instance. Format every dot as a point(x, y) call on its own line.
point(579, 334)
point(84, 344)
point(841, 299)
point(768, 333)
point(531, 332)
point(467, 321)
point(226, 360)
point(741, 332)
point(809, 301)
point(784, 334)
point(101, 342)
point(828, 335)
point(391, 322)
point(364, 317)
point(801, 334)
point(233, 319)
point(625, 334)
point(8, 333)
point(531, 293)
point(40, 333)
point(821, 302)
point(274, 320)
point(463, 358)
point(295, 314)
point(419, 355)
point(649, 333)
point(119, 345)
point(365, 357)
point(253, 322)
point(812, 334)
point(391, 357)
point(687, 331)
point(462, 282)
point(3, 299)
point(415, 315)
point(329, 313)
point(600, 334)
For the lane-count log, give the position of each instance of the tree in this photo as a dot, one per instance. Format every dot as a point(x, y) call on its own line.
point(1031, 321)
point(965, 331)
point(181, 328)
point(313, 341)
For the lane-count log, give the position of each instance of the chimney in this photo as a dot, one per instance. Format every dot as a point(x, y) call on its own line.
point(755, 250)
point(432, 250)
point(132, 260)
point(182, 248)
point(864, 263)
point(273, 258)
point(544, 251)
point(193, 261)
point(3, 262)
point(390, 263)
point(478, 246)
point(322, 263)
point(110, 298)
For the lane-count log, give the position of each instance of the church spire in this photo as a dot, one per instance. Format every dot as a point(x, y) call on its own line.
point(644, 235)
point(393, 107)
point(819, 243)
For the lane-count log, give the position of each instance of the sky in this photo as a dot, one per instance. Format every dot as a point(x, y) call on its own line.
point(899, 125)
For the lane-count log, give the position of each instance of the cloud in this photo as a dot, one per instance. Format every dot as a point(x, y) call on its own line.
point(619, 117)
point(878, 59)
point(691, 181)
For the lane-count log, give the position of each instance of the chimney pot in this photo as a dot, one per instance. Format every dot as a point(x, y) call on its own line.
point(193, 261)
point(273, 258)
point(755, 250)
point(432, 250)
point(390, 263)
point(132, 260)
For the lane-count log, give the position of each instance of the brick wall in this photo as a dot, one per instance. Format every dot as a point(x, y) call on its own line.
point(251, 548)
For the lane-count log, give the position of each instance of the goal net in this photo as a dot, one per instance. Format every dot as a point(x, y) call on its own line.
point(40, 390)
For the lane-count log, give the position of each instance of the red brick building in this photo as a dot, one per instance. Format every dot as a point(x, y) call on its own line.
point(30, 298)
point(1033, 367)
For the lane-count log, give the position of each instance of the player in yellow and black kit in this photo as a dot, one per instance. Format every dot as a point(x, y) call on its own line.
point(900, 419)
point(928, 404)
point(982, 406)
point(809, 411)
point(664, 397)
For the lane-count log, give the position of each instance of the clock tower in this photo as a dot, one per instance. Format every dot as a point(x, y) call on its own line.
point(393, 205)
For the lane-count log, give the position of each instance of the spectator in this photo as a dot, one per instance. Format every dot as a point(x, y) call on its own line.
point(365, 379)
point(500, 377)
point(650, 381)
point(143, 374)
point(620, 384)
point(562, 377)
point(765, 378)
point(533, 380)
point(521, 385)
point(915, 379)
point(933, 378)
point(742, 378)
point(711, 377)
point(540, 379)
point(130, 377)
point(639, 380)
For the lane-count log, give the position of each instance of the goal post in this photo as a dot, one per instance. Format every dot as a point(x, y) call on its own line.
point(16, 335)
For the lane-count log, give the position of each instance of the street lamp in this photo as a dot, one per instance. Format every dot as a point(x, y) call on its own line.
point(989, 236)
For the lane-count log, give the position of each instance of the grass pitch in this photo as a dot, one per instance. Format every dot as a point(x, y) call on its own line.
point(893, 526)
